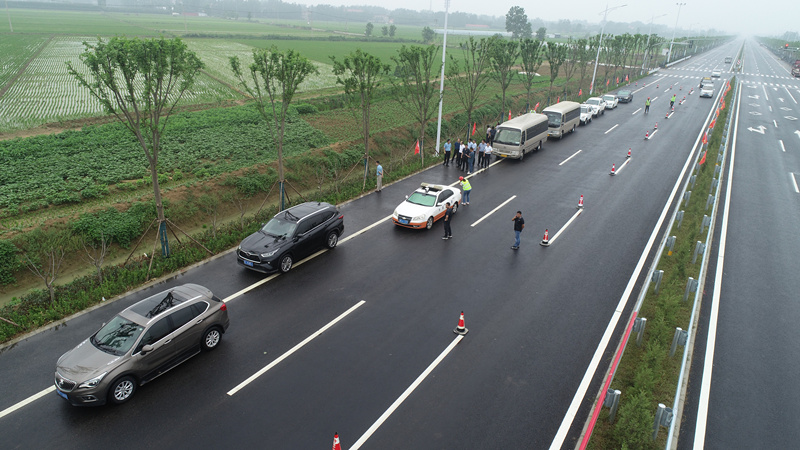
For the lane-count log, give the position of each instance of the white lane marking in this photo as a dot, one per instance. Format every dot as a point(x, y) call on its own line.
point(794, 182)
point(623, 166)
point(790, 94)
point(583, 387)
point(573, 155)
point(636, 111)
point(30, 399)
point(780, 141)
point(574, 216)
point(365, 229)
point(770, 108)
point(711, 341)
point(654, 99)
point(652, 134)
point(405, 394)
point(612, 128)
point(775, 123)
point(250, 288)
point(494, 210)
point(293, 349)
point(766, 97)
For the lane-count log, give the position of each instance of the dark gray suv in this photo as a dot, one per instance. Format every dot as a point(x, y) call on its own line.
point(291, 235)
point(139, 344)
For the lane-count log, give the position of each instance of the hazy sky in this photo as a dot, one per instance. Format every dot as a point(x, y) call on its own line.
point(764, 17)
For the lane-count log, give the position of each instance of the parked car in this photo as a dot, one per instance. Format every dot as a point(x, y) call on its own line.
point(425, 206)
point(598, 105)
point(139, 344)
point(290, 236)
point(707, 90)
point(705, 80)
point(611, 101)
point(625, 95)
point(586, 114)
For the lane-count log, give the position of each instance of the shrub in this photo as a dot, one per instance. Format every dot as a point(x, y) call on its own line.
point(9, 262)
point(305, 108)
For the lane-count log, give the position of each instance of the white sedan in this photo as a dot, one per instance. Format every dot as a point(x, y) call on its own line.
point(597, 104)
point(426, 205)
point(611, 101)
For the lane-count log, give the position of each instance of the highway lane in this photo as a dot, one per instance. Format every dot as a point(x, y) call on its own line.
point(535, 316)
point(749, 308)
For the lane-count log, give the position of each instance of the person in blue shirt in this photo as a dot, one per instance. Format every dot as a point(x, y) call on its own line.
point(446, 153)
point(379, 173)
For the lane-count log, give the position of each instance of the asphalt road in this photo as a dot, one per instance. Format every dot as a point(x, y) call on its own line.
point(536, 315)
point(741, 391)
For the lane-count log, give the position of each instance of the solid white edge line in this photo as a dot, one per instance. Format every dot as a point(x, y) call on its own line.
point(405, 394)
point(611, 129)
point(711, 341)
point(365, 229)
point(794, 181)
point(573, 155)
point(293, 349)
point(494, 210)
point(780, 141)
point(574, 216)
point(30, 399)
point(636, 111)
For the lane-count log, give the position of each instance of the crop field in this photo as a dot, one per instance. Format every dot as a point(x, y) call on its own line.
point(15, 49)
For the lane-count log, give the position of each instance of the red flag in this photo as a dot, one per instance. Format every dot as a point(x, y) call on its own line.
point(474, 128)
point(713, 122)
point(558, 100)
point(607, 81)
point(536, 107)
point(580, 92)
point(705, 138)
point(509, 114)
point(591, 85)
point(703, 159)
point(626, 78)
point(617, 80)
point(416, 149)
point(717, 113)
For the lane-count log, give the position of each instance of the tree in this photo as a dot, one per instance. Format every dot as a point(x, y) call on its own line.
point(368, 31)
point(140, 82)
point(96, 251)
point(570, 63)
point(517, 23)
point(360, 74)
point(541, 33)
point(532, 54)
point(385, 31)
point(556, 54)
point(586, 49)
point(392, 30)
point(469, 84)
point(415, 86)
point(277, 75)
point(427, 35)
point(504, 55)
point(43, 253)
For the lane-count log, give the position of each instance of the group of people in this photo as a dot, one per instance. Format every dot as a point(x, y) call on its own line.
point(466, 154)
point(519, 222)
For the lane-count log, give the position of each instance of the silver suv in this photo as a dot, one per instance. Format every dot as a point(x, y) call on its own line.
point(139, 344)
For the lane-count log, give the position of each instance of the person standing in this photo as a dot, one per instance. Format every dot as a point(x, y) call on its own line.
point(672, 100)
point(519, 225)
point(379, 174)
point(460, 154)
point(446, 153)
point(493, 133)
point(466, 188)
point(481, 151)
point(448, 214)
point(473, 148)
point(487, 155)
point(647, 105)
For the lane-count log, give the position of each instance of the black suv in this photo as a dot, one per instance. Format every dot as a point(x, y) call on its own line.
point(290, 236)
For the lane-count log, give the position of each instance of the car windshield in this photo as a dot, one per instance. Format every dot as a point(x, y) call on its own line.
point(593, 101)
point(508, 136)
point(117, 336)
point(708, 85)
point(609, 97)
point(553, 118)
point(623, 93)
point(420, 198)
point(585, 109)
point(278, 227)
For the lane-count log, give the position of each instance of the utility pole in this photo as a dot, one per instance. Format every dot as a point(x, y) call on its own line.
point(669, 56)
point(441, 78)
point(600, 44)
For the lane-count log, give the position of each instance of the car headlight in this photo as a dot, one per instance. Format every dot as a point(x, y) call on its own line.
point(93, 382)
point(395, 213)
point(418, 218)
point(268, 254)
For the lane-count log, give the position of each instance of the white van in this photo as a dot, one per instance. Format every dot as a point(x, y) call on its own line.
point(520, 135)
point(562, 117)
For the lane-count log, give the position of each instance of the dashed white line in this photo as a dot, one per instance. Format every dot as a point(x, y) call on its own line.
point(775, 123)
point(766, 96)
point(636, 111)
point(573, 155)
point(494, 210)
point(611, 129)
point(293, 349)
point(780, 141)
point(794, 181)
point(364, 230)
point(790, 94)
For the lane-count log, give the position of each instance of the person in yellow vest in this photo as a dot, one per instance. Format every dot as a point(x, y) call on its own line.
point(647, 105)
point(466, 188)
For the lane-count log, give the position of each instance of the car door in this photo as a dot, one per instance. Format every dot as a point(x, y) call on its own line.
point(303, 238)
point(187, 328)
point(158, 335)
point(441, 201)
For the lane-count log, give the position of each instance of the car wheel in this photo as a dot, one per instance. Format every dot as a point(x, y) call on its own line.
point(122, 390)
point(429, 224)
point(522, 155)
point(455, 207)
point(211, 339)
point(332, 239)
point(286, 263)
point(573, 129)
point(539, 147)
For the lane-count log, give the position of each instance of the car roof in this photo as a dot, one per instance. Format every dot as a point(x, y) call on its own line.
point(152, 307)
point(299, 212)
point(431, 188)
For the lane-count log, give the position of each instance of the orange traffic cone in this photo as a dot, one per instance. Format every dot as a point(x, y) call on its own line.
point(666, 116)
point(461, 329)
point(545, 239)
point(336, 445)
point(656, 127)
point(580, 202)
point(647, 134)
point(613, 170)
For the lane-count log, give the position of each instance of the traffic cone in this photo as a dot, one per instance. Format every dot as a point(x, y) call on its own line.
point(613, 170)
point(656, 127)
point(545, 239)
point(580, 202)
point(647, 134)
point(461, 329)
point(681, 88)
point(629, 153)
point(657, 86)
point(666, 116)
point(336, 445)
point(672, 109)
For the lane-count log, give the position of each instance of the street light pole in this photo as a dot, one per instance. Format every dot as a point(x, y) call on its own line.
point(647, 45)
point(600, 44)
point(441, 82)
point(669, 56)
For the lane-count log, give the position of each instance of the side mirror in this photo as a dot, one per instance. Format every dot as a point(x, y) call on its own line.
point(146, 349)
point(296, 238)
point(406, 197)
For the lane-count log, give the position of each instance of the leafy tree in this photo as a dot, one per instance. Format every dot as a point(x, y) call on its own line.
point(368, 31)
point(140, 82)
point(532, 54)
point(504, 55)
point(427, 34)
point(43, 254)
point(541, 33)
point(385, 31)
point(517, 23)
point(415, 85)
point(9, 262)
point(361, 73)
point(556, 54)
point(570, 63)
point(469, 84)
point(585, 53)
point(392, 30)
point(274, 78)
